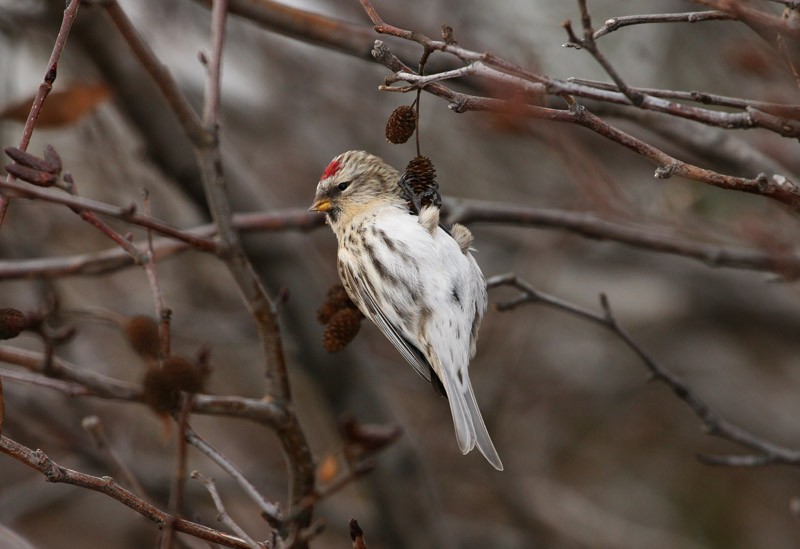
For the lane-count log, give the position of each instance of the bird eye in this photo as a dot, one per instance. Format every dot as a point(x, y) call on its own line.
point(342, 186)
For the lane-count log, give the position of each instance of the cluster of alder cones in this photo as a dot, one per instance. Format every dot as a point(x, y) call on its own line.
point(419, 179)
point(164, 377)
point(341, 317)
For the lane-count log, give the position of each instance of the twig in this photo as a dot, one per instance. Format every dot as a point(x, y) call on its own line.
point(106, 485)
point(337, 34)
point(169, 88)
point(589, 44)
point(355, 472)
point(645, 237)
point(616, 23)
point(94, 427)
point(270, 510)
point(713, 423)
point(177, 488)
point(70, 12)
point(65, 387)
point(102, 262)
point(163, 313)
point(223, 515)
point(127, 214)
point(778, 109)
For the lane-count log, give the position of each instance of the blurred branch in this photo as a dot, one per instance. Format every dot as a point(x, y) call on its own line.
point(127, 214)
point(645, 237)
point(106, 485)
point(314, 28)
point(166, 84)
point(269, 510)
point(713, 423)
point(456, 210)
point(97, 433)
point(222, 514)
point(70, 12)
point(616, 23)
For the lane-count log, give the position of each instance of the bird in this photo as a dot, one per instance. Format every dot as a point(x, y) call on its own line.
point(415, 280)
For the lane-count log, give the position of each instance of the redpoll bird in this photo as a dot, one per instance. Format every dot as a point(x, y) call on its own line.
point(417, 283)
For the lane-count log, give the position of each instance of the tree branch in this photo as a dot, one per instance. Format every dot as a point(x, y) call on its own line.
point(106, 485)
point(70, 12)
point(713, 423)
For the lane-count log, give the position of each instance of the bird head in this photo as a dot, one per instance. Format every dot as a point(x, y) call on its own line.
point(353, 182)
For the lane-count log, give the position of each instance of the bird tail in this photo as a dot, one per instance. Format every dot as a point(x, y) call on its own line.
point(470, 428)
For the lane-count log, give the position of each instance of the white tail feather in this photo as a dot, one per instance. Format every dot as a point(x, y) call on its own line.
point(470, 428)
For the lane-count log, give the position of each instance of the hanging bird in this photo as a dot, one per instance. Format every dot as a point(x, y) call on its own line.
point(418, 283)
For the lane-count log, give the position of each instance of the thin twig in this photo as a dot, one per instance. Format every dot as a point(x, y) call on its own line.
point(94, 427)
point(54, 472)
point(222, 514)
point(713, 423)
point(270, 510)
point(67, 388)
point(127, 214)
point(588, 43)
point(113, 259)
point(177, 488)
point(163, 313)
point(616, 23)
point(169, 88)
point(70, 12)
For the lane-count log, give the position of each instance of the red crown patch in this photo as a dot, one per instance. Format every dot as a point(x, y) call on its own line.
point(332, 168)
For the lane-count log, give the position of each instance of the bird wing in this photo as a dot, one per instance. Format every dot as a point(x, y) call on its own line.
point(362, 291)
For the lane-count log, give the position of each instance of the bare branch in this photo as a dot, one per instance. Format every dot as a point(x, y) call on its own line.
point(588, 43)
point(106, 485)
point(70, 12)
point(163, 313)
point(126, 214)
point(270, 510)
point(713, 423)
point(616, 23)
point(94, 427)
point(778, 188)
point(223, 515)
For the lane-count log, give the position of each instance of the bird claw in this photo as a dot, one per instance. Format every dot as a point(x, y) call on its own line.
point(417, 200)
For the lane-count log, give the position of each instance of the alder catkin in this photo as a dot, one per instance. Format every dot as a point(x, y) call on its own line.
point(141, 332)
point(342, 328)
point(12, 323)
point(401, 124)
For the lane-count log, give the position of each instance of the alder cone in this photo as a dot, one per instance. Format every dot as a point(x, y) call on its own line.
point(337, 299)
point(342, 328)
point(422, 174)
point(401, 124)
point(142, 334)
point(162, 385)
point(12, 323)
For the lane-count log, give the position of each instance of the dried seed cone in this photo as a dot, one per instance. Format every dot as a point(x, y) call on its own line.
point(401, 124)
point(162, 385)
point(342, 328)
point(142, 333)
point(12, 323)
point(337, 300)
point(422, 174)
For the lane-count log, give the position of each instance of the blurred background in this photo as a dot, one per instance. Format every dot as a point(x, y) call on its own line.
point(595, 456)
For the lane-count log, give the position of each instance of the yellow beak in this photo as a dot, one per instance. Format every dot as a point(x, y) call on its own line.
point(321, 205)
